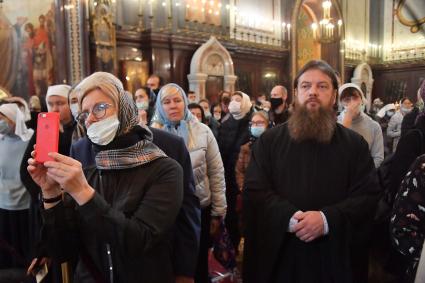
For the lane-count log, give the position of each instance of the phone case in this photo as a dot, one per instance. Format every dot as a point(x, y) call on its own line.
point(47, 139)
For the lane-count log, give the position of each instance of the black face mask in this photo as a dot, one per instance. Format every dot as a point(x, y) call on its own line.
point(156, 91)
point(276, 102)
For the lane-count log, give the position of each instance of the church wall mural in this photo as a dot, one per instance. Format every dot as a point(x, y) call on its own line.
point(28, 46)
point(307, 48)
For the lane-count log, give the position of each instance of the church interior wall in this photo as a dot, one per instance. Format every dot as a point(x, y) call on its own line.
point(395, 52)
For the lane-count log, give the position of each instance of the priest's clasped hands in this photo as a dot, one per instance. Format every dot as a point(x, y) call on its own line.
point(307, 226)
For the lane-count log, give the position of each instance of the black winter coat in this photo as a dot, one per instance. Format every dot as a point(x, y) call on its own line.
point(125, 232)
point(410, 146)
point(232, 135)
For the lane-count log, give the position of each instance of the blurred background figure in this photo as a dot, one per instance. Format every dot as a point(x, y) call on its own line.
point(14, 198)
point(279, 107)
point(353, 101)
point(197, 112)
point(258, 125)
point(234, 132)
point(172, 115)
point(224, 99)
point(217, 112)
point(192, 97)
point(394, 125)
point(210, 119)
point(143, 103)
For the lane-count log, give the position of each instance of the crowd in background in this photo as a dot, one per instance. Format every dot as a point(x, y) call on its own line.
point(161, 172)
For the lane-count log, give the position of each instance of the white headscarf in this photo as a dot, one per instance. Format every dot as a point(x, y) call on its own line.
point(22, 104)
point(245, 105)
point(351, 85)
point(12, 111)
point(59, 90)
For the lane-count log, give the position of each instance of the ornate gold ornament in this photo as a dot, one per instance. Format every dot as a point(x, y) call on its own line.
point(414, 25)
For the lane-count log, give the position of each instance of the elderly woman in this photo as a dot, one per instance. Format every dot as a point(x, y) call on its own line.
point(14, 198)
point(115, 218)
point(172, 114)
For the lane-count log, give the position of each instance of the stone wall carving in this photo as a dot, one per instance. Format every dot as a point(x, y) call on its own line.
point(211, 59)
point(363, 77)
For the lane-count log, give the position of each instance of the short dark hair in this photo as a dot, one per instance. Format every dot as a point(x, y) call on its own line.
point(161, 81)
point(146, 90)
point(197, 106)
point(403, 99)
point(190, 92)
point(349, 92)
point(321, 66)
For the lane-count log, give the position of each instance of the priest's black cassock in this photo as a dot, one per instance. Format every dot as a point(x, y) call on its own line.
point(285, 176)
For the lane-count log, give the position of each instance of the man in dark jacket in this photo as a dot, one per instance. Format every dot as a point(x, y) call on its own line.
point(188, 223)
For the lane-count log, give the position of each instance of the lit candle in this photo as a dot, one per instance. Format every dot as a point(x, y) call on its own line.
point(314, 28)
point(339, 27)
point(141, 7)
point(170, 3)
point(283, 31)
point(289, 31)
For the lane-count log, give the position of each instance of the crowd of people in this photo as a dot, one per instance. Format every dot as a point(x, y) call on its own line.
point(150, 186)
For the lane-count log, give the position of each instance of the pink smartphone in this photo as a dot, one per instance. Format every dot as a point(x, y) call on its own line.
point(47, 139)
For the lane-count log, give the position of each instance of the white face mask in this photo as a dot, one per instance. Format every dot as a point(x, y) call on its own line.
point(74, 110)
point(217, 116)
point(405, 110)
point(104, 131)
point(207, 114)
point(235, 107)
point(4, 128)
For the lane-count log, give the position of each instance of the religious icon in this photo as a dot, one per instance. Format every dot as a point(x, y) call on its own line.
point(104, 36)
point(27, 46)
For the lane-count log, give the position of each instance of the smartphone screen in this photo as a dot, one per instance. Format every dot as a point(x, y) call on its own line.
point(47, 139)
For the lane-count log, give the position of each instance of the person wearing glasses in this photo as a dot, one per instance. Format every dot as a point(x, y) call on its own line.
point(172, 115)
point(115, 219)
point(258, 125)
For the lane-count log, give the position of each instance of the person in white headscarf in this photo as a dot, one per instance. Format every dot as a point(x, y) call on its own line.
point(233, 133)
point(352, 99)
point(172, 115)
point(14, 198)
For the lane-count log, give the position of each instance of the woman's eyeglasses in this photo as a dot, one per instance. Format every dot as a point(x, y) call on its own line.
point(257, 124)
point(98, 111)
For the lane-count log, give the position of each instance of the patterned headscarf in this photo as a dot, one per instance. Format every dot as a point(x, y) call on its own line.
point(140, 153)
point(180, 128)
point(112, 87)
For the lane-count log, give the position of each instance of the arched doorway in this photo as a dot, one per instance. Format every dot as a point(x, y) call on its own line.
point(211, 70)
point(364, 79)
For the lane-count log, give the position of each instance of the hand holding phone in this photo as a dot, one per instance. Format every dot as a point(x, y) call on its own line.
point(47, 139)
point(39, 268)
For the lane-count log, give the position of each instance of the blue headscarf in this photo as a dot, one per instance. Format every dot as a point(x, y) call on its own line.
point(180, 128)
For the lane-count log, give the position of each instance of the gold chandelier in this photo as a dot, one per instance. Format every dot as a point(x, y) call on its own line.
point(328, 30)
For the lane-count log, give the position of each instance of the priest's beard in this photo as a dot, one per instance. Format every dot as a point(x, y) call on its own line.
point(317, 125)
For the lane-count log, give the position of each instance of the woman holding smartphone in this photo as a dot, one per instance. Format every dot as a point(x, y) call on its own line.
point(114, 219)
